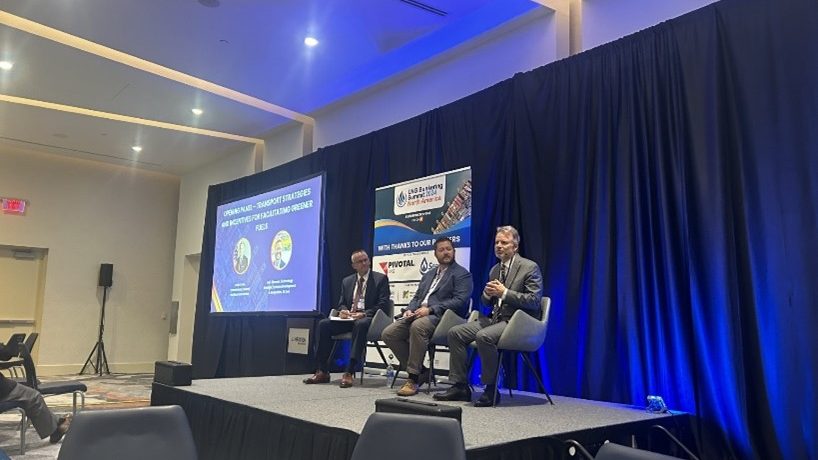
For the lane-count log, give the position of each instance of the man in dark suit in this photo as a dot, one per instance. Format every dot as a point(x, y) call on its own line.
point(44, 421)
point(447, 287)
point(515, 283)
point(362, 294)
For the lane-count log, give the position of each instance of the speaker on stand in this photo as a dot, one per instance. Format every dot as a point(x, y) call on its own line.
point(100, 362)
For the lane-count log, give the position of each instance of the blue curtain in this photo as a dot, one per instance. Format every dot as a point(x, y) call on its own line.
point(666, 184)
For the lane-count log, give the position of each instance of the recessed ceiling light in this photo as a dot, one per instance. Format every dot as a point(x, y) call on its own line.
point(136, 148)
point(197, 112)
point(310, 41)
point(6, 65)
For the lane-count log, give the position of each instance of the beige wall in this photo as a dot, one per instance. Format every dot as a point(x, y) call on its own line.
point(192, 204)
point(86, 213)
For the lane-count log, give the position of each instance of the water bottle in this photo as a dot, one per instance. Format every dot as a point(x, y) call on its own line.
point(390, 374)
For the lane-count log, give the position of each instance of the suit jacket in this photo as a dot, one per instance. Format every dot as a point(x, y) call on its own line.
point(452, 293)
point(376, 296)
point(524, 284)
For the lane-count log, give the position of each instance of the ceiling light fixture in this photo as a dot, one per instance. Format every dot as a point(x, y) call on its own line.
point(197, 112)
point(6, 65)
point(136, 148)
point(311, 41)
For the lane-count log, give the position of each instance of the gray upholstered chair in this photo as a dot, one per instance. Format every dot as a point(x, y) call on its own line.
point(51, 388)
point(155, 433)
point(440, 338)
point(379, 322)
point(524, 334)
point(432, 438)
point(17, 406)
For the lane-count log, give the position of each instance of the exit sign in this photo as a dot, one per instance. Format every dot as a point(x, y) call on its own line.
point(13, 206)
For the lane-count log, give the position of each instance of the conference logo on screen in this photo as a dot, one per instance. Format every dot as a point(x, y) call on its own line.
point(281, 250)
point(420, 195)
point(241, 256)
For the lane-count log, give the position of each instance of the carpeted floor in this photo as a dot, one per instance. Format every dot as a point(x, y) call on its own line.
point(114, 391)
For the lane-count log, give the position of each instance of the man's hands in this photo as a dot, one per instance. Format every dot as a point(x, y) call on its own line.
point(346, 314)
point(418, 313)
point(494, 288)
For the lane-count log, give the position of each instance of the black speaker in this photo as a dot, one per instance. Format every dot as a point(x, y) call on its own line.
point(172, 373)
point(106, 275)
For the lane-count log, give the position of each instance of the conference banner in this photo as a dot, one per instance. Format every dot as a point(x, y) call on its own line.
point(409, 217)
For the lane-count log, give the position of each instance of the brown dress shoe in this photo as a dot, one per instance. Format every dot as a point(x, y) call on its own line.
point(346, 380)
point(409, 388)
point(319, 377)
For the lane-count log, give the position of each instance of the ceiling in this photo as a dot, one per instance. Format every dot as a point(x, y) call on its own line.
point(243, 62)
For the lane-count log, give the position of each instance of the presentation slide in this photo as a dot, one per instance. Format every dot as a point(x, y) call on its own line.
point(267, 255)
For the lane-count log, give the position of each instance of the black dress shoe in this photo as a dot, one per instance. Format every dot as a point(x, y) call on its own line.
point(485, 399)
point(62, 428)
point(455, 393)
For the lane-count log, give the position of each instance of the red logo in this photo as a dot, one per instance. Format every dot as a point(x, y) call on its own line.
point(383, 266)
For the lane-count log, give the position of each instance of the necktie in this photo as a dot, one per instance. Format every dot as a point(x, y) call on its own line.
point(357, 296)
point(495, 313)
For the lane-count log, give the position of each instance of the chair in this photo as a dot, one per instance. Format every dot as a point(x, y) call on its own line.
point(51, 388)
point(612, 451)
point(408, 437)
point(6, 406)
point(440, 338)
point(524, 334)
point(156, 433)
point(13, 364)
point(373, 335)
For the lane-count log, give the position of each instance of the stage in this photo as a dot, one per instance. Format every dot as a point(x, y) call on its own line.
point(281, 418)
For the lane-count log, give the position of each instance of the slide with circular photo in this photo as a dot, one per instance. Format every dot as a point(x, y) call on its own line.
point(267, 254)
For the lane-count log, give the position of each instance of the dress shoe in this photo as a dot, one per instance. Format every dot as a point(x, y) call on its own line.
point(62, 427)
point(319, 377)
point(455, 393)
point(410, 388)
point(485, 399)
point(346, 380)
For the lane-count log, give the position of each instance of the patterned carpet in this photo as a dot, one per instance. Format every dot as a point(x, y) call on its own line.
point(115, 391)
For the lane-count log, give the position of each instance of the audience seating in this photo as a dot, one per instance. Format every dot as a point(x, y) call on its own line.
point(154, 433)
point(409, 437)
point(51, 388)
point(6, 406)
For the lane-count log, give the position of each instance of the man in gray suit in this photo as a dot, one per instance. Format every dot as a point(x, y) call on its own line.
point(515, 283)
point(447, 287)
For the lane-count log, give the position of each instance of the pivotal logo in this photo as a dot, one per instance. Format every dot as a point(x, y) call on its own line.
point(391, 266)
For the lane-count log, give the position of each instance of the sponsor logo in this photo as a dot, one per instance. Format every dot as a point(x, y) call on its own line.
point(426, 266)
point(420, 195)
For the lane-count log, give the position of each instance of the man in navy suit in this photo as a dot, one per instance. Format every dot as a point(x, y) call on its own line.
point(362, 294)
point(447, 287)
point(515, 283)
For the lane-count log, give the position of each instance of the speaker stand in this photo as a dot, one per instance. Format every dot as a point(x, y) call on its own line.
point(100, 362)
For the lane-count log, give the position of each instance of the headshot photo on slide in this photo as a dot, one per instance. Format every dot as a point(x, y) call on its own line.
point(281, 250)
point(241, 256)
